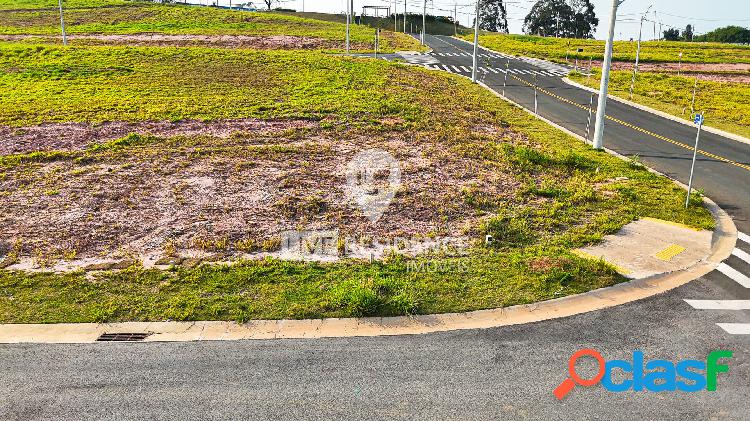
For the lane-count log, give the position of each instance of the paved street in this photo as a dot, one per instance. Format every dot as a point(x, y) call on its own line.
point(501, 373)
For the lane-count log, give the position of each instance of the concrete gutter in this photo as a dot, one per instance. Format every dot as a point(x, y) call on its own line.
point(722, 244)
point(662, 114)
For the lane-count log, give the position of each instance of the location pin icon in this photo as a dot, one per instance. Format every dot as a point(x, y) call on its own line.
point(372, 178)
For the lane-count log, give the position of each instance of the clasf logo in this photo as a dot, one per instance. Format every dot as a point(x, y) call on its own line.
point(654, 375)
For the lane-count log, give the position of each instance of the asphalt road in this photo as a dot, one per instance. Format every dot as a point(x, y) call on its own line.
point(501, 373)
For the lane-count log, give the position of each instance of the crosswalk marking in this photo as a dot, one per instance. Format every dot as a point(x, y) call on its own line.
point(465, 68)
point(744, 237)
point(735, 328)
point(741, 254)
point(720, 304)
point(734, 274)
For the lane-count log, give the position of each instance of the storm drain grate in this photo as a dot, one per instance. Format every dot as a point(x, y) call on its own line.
point(122, 337)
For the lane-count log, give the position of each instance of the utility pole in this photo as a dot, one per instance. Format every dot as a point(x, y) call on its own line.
point(348, 23)
point(424, 20)
point(476, 45)
point(604, 86)
point(62, 23)
point(692, 103)
point(404, 16)
point(395, 17)
point(638, 52)
point(679, 65)
point(455, 19)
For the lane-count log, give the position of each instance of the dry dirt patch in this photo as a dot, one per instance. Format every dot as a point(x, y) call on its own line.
point(212, 196)
point(78, 136)
point(274, 42)
point(716, 72)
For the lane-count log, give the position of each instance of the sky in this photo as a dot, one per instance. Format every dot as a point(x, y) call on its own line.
point(704, 15)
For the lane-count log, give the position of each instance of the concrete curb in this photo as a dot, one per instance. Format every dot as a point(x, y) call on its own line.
point(722, 244)
point(662, 114)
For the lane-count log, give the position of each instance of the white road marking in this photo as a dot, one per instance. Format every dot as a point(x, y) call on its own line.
point(493, 70)
point(466, 69)
point(456, 69)
point(446, 68)
point(720, 304)
point(742, 255)
point(735, 328)
point(744, 237)
point(734, 274)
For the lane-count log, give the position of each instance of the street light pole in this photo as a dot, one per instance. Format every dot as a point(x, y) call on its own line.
point(62, 23)
point(476, 45)
point(348, 22)
point(424, 20)
point(604, 86)
point(638, 53)
point(404, 16)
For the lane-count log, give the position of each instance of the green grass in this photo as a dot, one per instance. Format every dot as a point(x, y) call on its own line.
point(726, 105)
point(181, 19)
point(567, 195)
point(651, 51)
point(52, 4)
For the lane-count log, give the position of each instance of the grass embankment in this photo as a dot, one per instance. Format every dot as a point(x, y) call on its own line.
point(557, 49)
point(726, 105)
point(176, 19)
point(537, 191)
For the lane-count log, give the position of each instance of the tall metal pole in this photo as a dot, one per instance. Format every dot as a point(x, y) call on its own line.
point(604, 86)
point(424, 20)
point(679, 64)
point(637, 53)
point(404, 16)
point(476, 45)
point(348, 23)
point(395, 17)
point(455, 19)
point(62, 23)
point(699, 120)
point(692, 103)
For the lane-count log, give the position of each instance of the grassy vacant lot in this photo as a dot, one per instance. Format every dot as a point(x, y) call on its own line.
point(92, 24)
point(727, 105)
point(234, 146)
point(651, 51)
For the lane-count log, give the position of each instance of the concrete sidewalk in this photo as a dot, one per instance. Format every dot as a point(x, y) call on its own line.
point(649, 247)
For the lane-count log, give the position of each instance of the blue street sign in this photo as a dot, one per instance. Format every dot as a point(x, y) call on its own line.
point(699, 119)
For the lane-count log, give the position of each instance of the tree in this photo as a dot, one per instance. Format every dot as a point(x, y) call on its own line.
point(585, 20)
point(672, 34)
point(728, 34)
point(687, 34)
point(560, 19)
point(493, 16)
point(268, 3)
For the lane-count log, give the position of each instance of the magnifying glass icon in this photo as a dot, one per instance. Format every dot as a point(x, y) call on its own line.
point(568, 384)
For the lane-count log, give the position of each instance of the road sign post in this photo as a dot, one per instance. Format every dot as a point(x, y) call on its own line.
point(699, 121)
point(591, 110)
point(692, 103)
point(536, 103)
